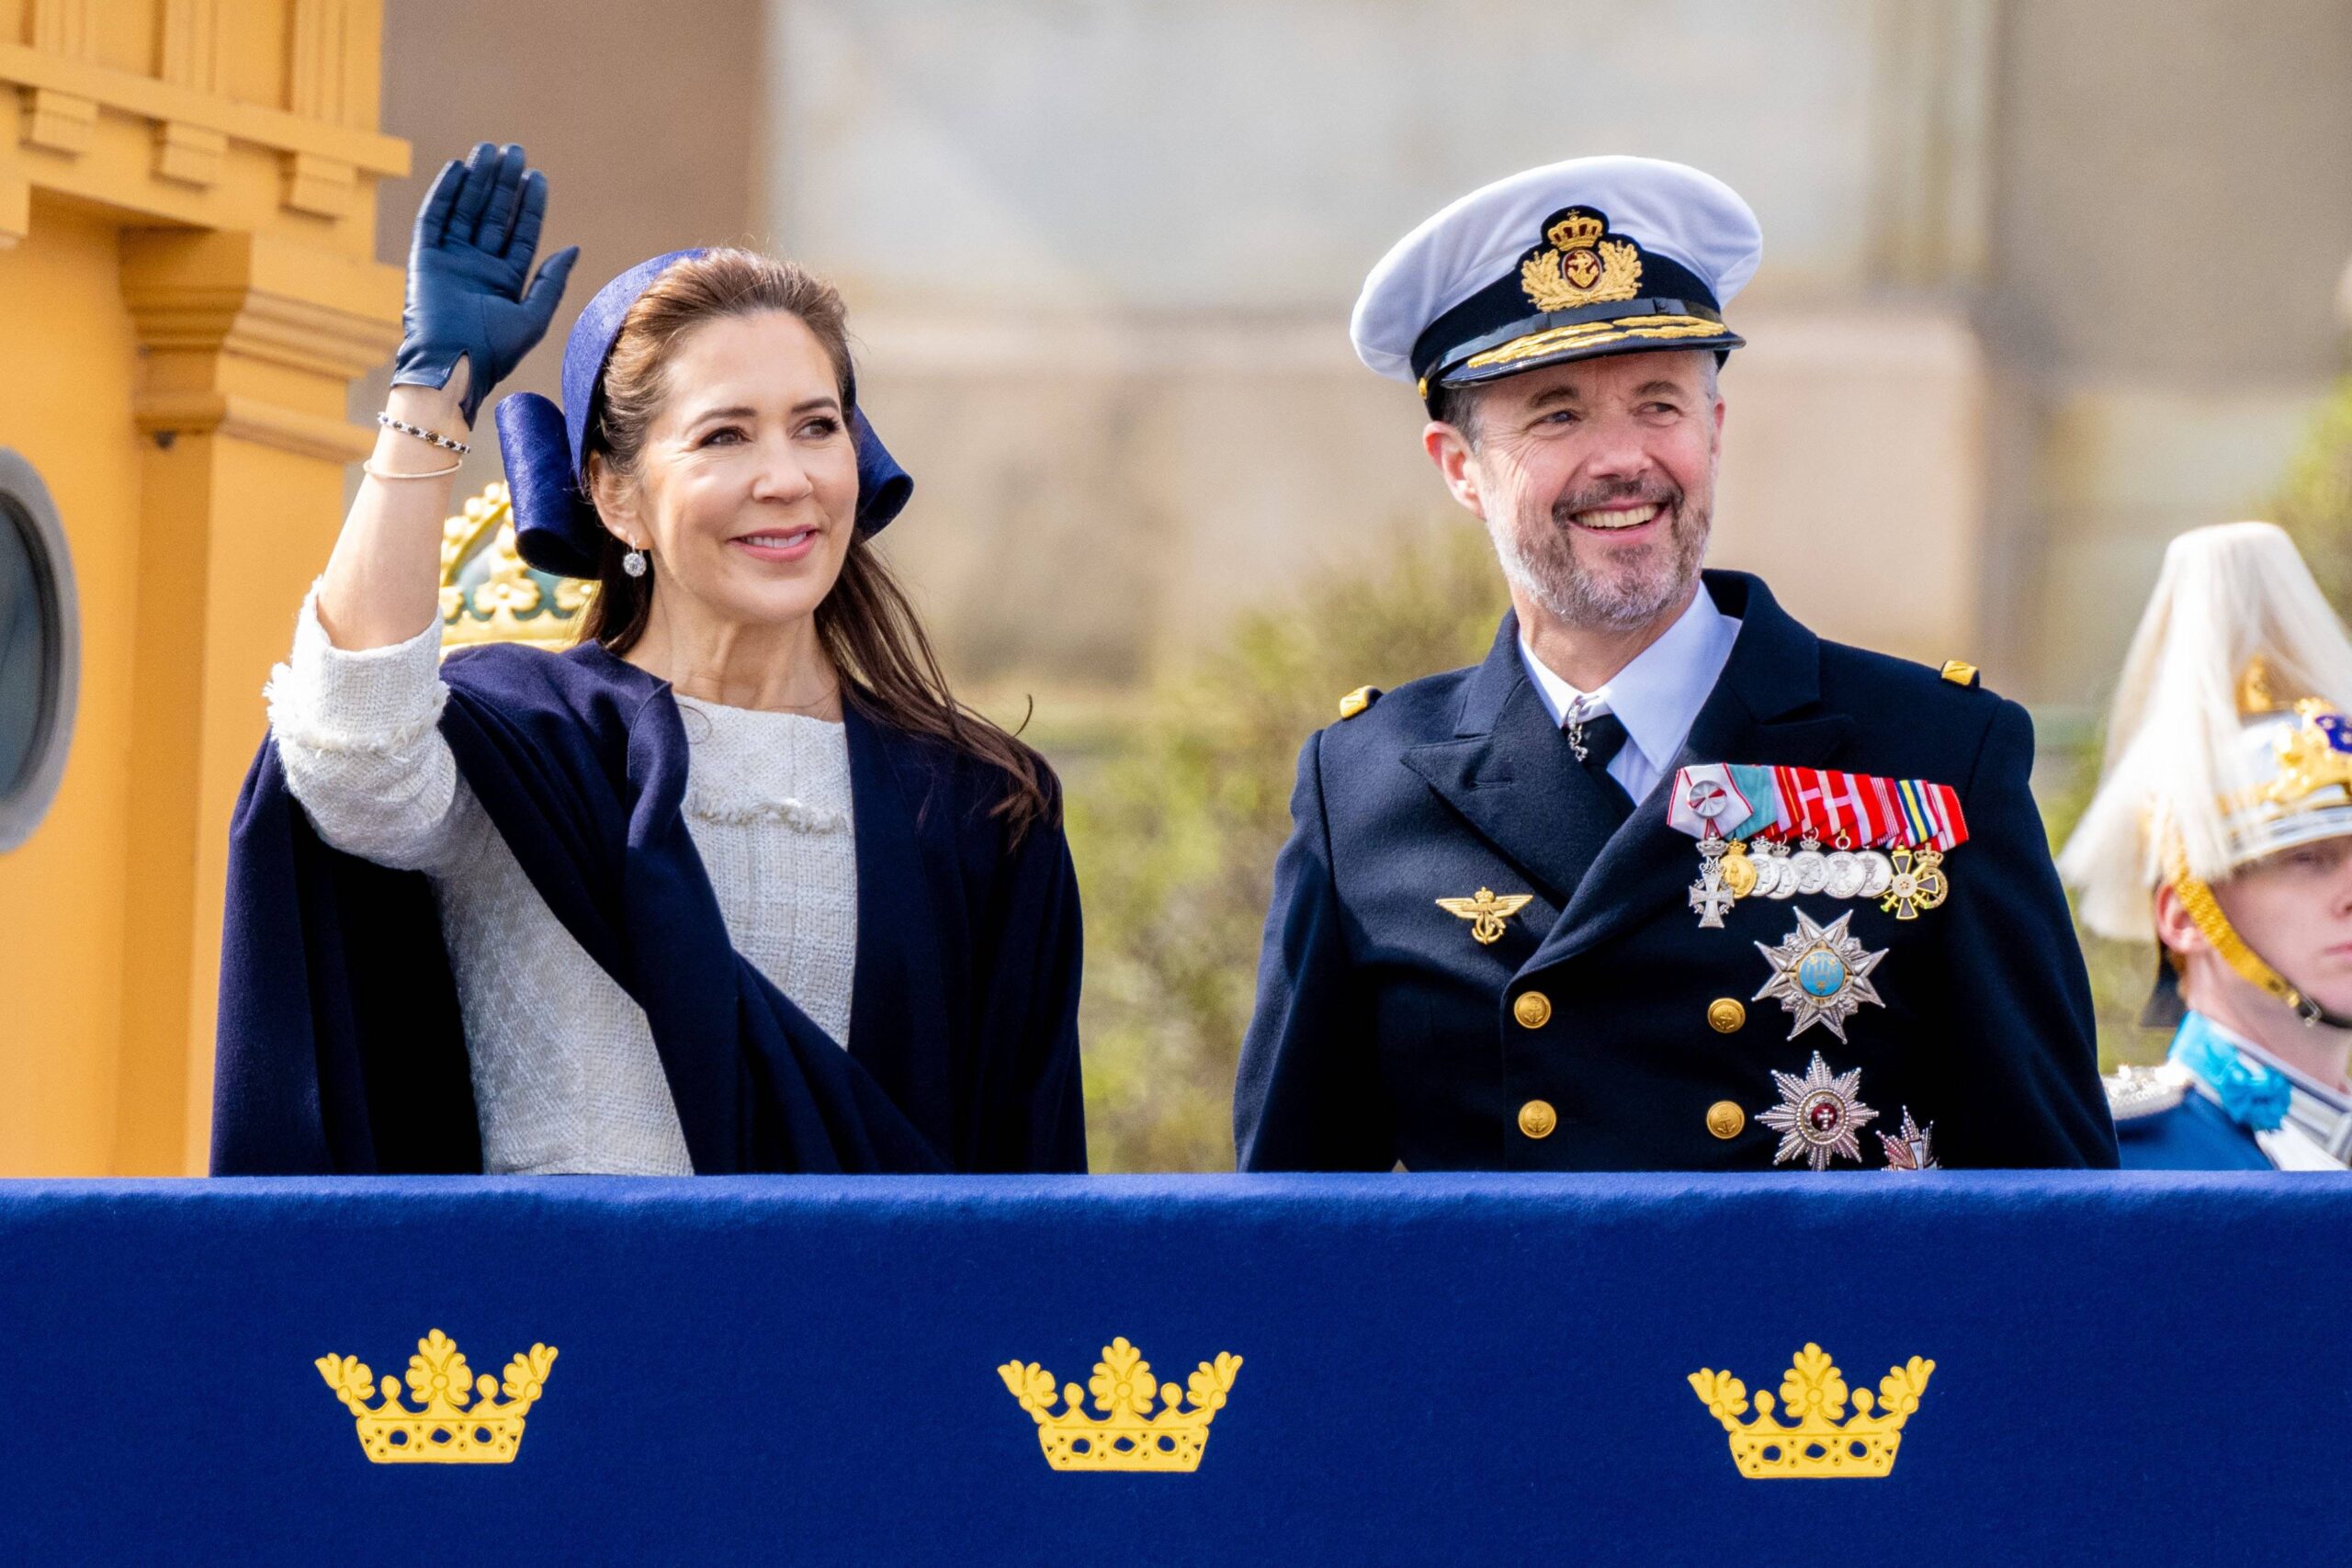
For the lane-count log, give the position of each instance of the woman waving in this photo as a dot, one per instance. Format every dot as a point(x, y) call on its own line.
point(733, 885)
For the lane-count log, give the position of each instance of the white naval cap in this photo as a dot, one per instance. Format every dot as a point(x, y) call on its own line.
point(1571, 261)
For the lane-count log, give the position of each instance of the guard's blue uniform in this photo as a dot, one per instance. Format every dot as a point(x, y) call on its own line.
point(2213, 1103)
point(1605, 1029)
point(2194, 1134)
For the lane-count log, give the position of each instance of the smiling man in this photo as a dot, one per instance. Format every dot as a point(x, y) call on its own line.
point(1667, 882)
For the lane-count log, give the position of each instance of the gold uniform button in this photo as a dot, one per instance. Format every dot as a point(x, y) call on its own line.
point(1724, 1120)
point(1533, 1010)
point(1725, 1015)
point(1536, 1119)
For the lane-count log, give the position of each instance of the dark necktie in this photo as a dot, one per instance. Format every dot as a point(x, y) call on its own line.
point(1598, 739)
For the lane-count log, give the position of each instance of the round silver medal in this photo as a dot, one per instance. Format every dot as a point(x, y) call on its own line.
point(1882, 874)
point(1810, 868)
point(1847, 875)
point(1774, 865)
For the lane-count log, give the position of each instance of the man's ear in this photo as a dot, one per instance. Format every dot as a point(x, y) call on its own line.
point(1456, 464)
point(2175, 929)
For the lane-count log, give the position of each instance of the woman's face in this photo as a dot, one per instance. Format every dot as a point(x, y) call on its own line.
point(746, 491)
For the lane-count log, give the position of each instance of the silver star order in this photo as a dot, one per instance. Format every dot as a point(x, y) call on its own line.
point(1854, 987)
point(1910, 1149)
point(1818, 1115)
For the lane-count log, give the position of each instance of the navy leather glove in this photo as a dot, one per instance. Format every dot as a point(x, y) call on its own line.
point(471, 292)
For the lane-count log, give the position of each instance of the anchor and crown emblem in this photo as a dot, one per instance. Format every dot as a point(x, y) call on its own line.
point(1486, 911)
point(1585, 265)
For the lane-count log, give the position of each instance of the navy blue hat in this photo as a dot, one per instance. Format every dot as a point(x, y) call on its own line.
point(556, 526)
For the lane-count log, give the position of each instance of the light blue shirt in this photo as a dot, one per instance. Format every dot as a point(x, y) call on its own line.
point(1656, 697)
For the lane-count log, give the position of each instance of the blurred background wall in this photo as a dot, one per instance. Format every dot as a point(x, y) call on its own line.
point(2042, 284)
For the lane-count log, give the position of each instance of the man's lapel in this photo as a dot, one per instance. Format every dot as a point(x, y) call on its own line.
point(1763, 710)
point(1510, 773)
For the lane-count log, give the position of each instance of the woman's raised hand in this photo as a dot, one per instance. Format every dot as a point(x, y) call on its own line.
point(471, 292)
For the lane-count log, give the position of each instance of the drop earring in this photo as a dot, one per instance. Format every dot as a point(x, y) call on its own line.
point(634, 563)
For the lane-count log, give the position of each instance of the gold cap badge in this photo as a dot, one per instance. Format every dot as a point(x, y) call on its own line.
point(1583, 266)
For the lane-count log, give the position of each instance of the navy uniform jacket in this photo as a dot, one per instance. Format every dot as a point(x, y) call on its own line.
point(1385, 1034)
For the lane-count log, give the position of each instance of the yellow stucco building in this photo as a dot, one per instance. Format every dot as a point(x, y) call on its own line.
point(188, 290)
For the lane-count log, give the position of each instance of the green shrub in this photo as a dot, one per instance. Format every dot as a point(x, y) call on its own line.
point(1176, 828)
point(2316, 502)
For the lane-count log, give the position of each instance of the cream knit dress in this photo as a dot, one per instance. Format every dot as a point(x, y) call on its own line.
point(565, 1074)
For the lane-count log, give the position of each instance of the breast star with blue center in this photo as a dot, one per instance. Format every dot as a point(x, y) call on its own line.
point(1821, 975)
point(1819, 1115)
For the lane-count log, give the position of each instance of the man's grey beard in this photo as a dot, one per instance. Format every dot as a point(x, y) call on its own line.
point(1549, 573)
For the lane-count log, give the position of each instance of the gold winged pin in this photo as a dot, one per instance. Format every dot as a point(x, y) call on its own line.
point(1485, 912)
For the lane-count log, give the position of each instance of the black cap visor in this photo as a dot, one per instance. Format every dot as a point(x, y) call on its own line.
point(1532, 350)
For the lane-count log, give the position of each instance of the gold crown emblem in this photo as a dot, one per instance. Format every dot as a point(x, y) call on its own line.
point(442, 1430)
point(1583, 266)
point(1817, 1445)
point(2311, 758)
point(489, 594)
point(1126, 1436)
point(1579, 230)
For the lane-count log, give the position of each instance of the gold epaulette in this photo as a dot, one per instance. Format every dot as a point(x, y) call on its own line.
point(1959, 672)
point(1355, 702)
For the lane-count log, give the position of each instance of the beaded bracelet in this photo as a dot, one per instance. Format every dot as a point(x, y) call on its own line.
point(434, 438)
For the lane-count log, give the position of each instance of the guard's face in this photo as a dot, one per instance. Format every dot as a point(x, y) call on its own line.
point(2295, 910)
point(1597, 480)
point(748, 484)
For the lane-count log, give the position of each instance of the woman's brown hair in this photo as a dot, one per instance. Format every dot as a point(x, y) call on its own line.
point(865, 624)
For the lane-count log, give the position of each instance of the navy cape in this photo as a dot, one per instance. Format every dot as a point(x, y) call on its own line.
point(341, 1049)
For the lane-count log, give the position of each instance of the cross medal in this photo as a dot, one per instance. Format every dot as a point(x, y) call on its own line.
point(1709, 896)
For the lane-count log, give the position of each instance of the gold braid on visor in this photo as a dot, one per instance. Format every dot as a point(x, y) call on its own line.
point(2205, 913)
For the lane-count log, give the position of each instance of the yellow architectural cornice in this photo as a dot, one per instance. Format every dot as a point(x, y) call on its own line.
point(263, 297)
point(255, 336)
point(186, 143)
point(162, 103)
point(172, 413)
